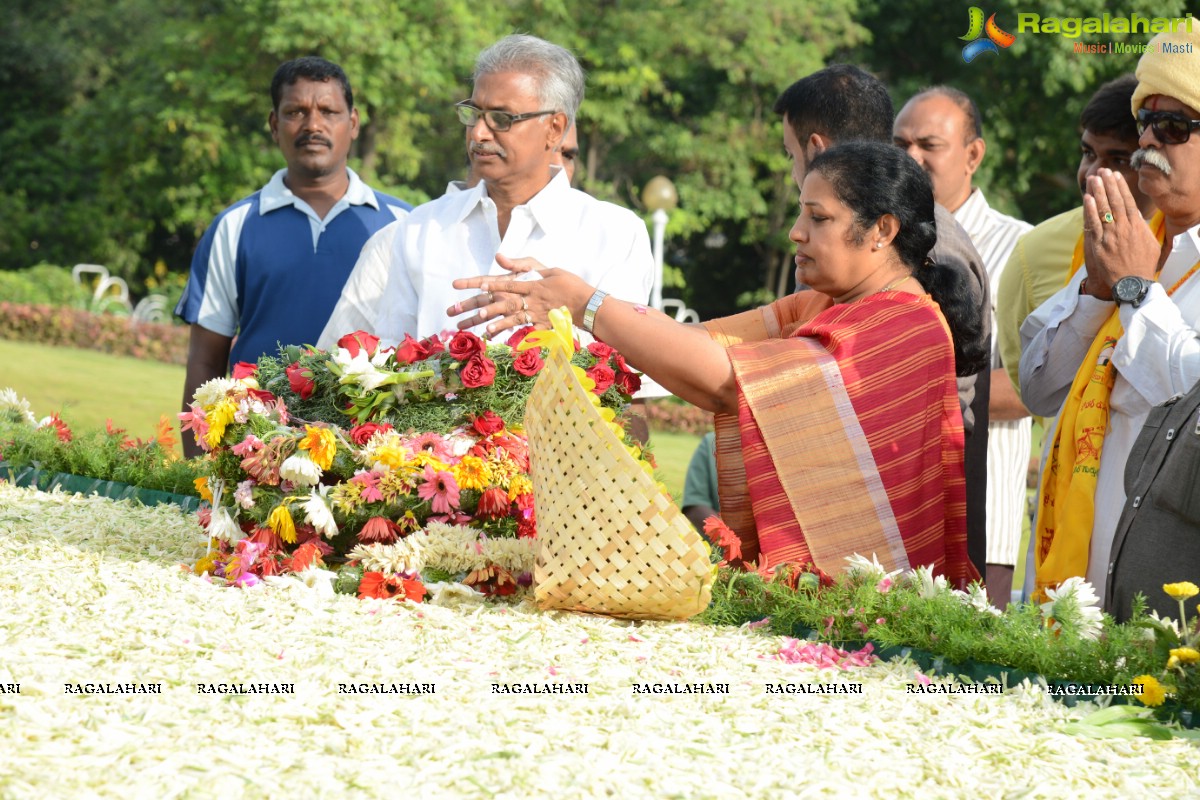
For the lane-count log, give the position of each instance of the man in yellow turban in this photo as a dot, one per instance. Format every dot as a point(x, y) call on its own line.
point(1121, 337)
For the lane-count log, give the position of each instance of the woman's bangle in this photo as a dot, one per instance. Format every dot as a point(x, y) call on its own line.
point(593, 305)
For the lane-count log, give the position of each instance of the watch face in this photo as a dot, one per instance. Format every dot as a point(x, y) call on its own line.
point(1130, 289)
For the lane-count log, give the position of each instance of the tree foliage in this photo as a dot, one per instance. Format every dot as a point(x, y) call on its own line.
point(130, 124)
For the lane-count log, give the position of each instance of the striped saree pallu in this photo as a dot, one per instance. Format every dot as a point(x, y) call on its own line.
point(847, 438)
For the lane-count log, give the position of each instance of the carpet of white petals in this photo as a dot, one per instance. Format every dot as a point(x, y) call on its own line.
point(91, 591)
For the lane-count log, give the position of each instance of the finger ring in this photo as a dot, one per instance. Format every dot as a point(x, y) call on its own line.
point(528, 319)
point(525, 304)
point(1108, 217)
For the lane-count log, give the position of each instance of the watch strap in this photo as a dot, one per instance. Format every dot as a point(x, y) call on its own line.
point(593, 305)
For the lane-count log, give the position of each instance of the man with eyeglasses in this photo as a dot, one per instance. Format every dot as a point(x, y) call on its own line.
point(1122, 336)
point(526, 94)
point(358, 307)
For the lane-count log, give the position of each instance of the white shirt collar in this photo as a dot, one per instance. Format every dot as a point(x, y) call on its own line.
point(973, 214)
point(546, 207)
point(276, 194)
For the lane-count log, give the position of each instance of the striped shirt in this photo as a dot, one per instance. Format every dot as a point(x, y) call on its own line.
point(994, 236)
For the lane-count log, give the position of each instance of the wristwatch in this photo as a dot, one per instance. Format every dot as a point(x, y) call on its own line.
point(1131, 289)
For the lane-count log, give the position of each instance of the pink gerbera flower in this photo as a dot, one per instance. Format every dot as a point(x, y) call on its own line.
point(433, 443)
point(440, 489)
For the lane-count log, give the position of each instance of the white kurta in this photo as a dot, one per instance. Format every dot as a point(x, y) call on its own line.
point(1157, 358)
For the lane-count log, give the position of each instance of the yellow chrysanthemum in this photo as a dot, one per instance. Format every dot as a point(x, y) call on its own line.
point(1186, 655)
point(201, 485)
point(219, 418)
point(425, 458)
point(321, 444)
point(281, 522)
point(206, 565)
point(390, 455)
point(1181, 591)
point(519, 485)
point(1152, 693)
point(472, 473)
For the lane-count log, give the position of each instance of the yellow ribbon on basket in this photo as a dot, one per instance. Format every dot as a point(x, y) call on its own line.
point(560, 336)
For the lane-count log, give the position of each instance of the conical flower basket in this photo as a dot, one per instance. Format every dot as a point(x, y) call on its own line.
point(610, 541)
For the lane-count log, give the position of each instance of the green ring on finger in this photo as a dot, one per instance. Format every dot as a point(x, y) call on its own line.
point(1108, 217)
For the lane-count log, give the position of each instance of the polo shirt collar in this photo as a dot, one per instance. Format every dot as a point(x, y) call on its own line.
point(276, 194)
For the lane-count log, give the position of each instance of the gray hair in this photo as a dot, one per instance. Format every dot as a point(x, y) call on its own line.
point(559, 76)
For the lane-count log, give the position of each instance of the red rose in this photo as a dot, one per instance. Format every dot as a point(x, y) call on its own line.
point(301, 380)
point(244, 369)
point(359, 340)
point(529, 362)
point(409, 350)
point(479, 371)
point(603, 375)
point(432, 346)
point(487, 423)
point(619, 362)
point(628, 382)
point(519, 335)
point(600, 350)
point(361, 434)
point(464, 345)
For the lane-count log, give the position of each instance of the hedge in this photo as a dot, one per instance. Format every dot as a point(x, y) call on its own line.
point(60, 326)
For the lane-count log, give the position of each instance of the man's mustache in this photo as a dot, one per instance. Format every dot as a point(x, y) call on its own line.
point(488, 149)
point(312, 137)
point(1151, 156)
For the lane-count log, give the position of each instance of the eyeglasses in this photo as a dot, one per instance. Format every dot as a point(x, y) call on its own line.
point(1170, 127)
point(498, 121)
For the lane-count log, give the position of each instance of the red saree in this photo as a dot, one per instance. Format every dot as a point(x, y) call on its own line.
point(848, 436)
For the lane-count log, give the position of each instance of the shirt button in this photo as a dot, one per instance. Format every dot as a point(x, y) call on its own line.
point(1170, 434)
point(1137, 501)
point(1110, 567)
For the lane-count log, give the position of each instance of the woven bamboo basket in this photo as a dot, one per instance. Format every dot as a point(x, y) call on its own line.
point(610, 541)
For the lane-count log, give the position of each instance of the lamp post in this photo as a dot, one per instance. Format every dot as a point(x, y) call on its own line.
point(659, 196)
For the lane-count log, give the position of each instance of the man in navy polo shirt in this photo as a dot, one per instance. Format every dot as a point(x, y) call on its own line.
point(270, 267)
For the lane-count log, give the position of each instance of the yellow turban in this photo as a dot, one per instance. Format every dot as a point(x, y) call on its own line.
point(1173, 70)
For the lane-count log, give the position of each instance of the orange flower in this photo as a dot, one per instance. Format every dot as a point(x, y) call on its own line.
point(724, 537)
point(306, 555)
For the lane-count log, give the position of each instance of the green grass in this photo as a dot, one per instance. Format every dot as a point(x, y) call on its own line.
point(86, 387)
point(673, 451)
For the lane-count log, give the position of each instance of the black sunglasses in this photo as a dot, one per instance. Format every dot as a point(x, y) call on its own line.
point(498, 121)
point(1170, 127)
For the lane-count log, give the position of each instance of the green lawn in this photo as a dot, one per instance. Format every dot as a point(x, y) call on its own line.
point(87, 387)
point(672, 451)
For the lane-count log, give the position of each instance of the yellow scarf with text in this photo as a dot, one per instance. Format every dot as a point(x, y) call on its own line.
point(1067, 500)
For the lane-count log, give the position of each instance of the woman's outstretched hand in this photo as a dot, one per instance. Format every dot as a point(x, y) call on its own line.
point(511, 302)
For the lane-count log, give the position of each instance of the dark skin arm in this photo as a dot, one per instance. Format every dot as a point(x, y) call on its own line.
point(697, 514)
point(208, 358)
point(1004, 403)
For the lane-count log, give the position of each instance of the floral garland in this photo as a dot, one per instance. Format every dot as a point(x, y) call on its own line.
point(343, 456)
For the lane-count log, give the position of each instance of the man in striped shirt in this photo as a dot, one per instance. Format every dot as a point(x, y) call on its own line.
point(941, 128)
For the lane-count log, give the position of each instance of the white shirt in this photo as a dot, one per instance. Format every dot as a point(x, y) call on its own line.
point(1157, 358)
point(457, 236)
point(994, 236)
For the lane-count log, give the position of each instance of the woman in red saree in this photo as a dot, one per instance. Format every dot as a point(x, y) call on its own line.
point(838, 424)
